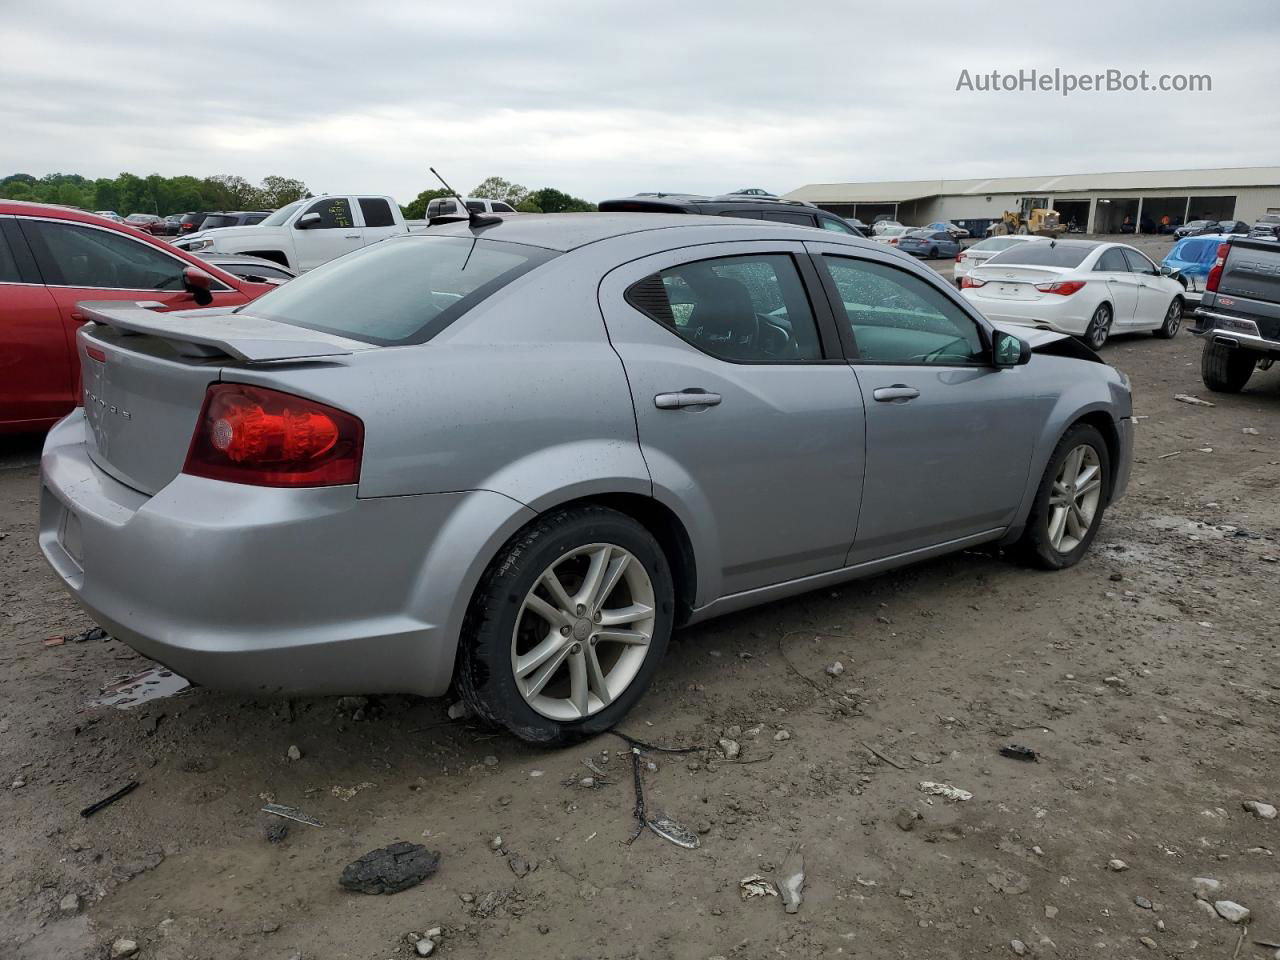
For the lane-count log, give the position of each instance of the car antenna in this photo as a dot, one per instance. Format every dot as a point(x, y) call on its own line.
point(474, 217)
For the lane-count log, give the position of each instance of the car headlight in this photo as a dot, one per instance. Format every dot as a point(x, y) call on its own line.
point(198, 243)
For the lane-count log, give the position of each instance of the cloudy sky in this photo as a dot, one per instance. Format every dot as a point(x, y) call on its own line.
point(604, 99)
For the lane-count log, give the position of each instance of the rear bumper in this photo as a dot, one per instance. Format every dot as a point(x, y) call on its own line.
point(1235, 331)
point(1063, 317)
point(262, 589)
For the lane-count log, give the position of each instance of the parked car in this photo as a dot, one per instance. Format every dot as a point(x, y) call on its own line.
point(751, 192)
point(110, 215)
point(1087, 289)
point(51, 259)
point(891, 235)
point(982, 251)
point(756, 410)
point(1239, 314)
point(448, 206)
point(240, 218)
point(1266, 227)
point(1191, 259)
point(146, 222)
point(957, 232)
point(1236, 227)
point(173, 224)
point(863, 229)
point(307, 233)
point(1197, 228)
point(753, 208)
point(929, 244)
point(255, 269)
point(189, 223)
point(883, 223)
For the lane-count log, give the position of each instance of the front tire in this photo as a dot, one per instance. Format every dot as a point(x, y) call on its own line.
point(1095, 335)
point(1172, 320)
point(933, 253)
point(1226, 369)
point(1070, 501)
point(567, 626)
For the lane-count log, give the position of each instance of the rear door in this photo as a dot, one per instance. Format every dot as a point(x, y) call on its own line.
point(335, 234)
point(949, 436)
point(1123, 286)
point(37, 383)
point(747, 415)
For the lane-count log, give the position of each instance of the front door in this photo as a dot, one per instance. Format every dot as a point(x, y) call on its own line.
point(949, 436)
point(1153, 295)
point(1122, 286)
point(334, 235)
point(747, 416)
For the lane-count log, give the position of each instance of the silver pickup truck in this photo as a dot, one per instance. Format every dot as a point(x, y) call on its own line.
point(1239, 314)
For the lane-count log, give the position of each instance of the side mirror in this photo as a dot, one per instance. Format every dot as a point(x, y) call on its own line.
point(199, 284)
point(307, 221)
point(1009, 351)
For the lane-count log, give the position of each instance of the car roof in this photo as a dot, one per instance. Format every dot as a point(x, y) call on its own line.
point(27, 208)
point(568, 231)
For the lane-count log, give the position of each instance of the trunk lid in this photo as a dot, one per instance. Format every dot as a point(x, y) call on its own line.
point(144, 377)
point(1016, 283)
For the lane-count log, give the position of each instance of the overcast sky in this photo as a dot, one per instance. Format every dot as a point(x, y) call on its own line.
point(605, 99)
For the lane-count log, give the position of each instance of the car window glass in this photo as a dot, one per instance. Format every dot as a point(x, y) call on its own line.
point(8, 265)
point(335, 213)
point(376, 212)
point(254, 218)
point(1112, 261)
point(748, 309)
point(84, 257)
point(503, 208)
point(1138, 263)
point(475, 206)
point(804, 219)
point(828, 223)
point(899, 318)
point(250, 271)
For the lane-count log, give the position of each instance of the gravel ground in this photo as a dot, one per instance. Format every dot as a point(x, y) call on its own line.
point(1146, 679)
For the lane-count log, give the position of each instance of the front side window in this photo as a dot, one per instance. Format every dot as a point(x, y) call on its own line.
point(76, 256)
point(748, 309)
point(896, 317)
point(335, 213)
point(499, 207)
point(1138, 263)
point(376, 212)
point(1112, 261)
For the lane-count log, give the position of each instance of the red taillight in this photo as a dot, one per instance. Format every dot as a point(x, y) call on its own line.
point(959, 257)
point(971, 282)
point(271, 439)
point(96, 354)
point(1215, 272)
point(1063, 288)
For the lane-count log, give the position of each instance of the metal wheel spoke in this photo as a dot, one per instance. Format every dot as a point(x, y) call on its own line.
point(595, 574)
point(578, 682)
point(539, 655)
point(632, 637)
point(1075, 526)
point(558, 592)
point(1088, 486)
point(613, 575)
point(1085, 475)
point(553, 616)
point(1056, 525)
point(627, 614)
point(595, 676)
point(547, 671)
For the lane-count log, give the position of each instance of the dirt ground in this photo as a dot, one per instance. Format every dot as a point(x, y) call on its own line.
point(1147, 678)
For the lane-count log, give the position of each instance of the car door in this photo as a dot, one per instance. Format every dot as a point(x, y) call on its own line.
point(1154, 294)
point(1123, 287)
point(36, 382)
point(81, 261)
point(949, 435)
point(747, 415)
point(335, 234)
point(377, 221)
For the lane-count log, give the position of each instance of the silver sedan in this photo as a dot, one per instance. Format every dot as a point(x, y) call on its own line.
point(510, 459)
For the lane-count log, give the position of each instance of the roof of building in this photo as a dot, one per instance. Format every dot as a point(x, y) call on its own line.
point(899, 191)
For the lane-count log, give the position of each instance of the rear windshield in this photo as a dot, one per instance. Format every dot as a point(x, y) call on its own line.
point(399, 291)
point(996, 243)
point(211, 223)
point(1042, 255)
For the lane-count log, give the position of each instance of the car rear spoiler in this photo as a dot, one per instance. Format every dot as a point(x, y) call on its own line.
point(213, 333)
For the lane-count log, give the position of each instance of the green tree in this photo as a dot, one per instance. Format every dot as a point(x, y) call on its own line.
point(275, 192)
point(105, 195)
point(16, 190)
point(417, 207)
point(496, 188)
point(551, 200)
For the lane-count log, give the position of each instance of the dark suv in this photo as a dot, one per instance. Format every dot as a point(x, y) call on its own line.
point(242, 218)
point(190, 222)
point(751, 208)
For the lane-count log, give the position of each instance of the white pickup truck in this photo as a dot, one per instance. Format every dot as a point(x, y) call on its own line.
point(307, 233)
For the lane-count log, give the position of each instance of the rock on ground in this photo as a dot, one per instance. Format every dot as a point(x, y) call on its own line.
point(390, 869)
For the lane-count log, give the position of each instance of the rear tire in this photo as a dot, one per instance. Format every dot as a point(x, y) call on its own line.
point(1226, 369)
point(1056, 538)
point(1172, 321)
point(506, 623)
point(933, 253)
point(1095, 335)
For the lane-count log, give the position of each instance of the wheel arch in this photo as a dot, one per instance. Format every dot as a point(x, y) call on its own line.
point(278, 256)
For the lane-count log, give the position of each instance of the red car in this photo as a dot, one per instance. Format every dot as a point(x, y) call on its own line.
point(52, 258)
point(147, 223)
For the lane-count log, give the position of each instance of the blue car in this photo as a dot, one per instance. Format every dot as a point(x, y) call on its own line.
point(1192, 257)
point(929, 244)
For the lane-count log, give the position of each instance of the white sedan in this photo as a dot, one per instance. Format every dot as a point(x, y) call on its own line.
point(1087, 289)
point(968, 259)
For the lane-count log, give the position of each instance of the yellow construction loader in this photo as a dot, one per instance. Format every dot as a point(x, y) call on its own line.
point(1040, 222)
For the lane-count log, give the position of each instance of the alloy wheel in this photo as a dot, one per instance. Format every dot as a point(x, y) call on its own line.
point(1173, 319)
point(1074, 499)
point(1100, 327)
point(583, 631)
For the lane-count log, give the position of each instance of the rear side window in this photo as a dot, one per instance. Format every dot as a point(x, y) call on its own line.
point(502, 208)
point(749, 309)
point(1112, 261)
point(1043, 255)
point(8, 265)
point(376, 212)
point(398, 291)
point(839, 226)
point(803, 219)
point(75, 256)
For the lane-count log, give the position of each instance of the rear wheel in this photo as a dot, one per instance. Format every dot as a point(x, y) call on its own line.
point(1226, 369)
point(933, 253)
point(567, 627)
point(1070, 501)
point(1095, 335)
point(1172, 320)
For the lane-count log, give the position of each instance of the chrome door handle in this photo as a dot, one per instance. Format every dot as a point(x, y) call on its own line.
point(899, 391)
point(689, 397)
point(351, 236)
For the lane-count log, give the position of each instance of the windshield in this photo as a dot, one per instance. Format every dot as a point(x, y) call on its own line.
point(400, 291)
point(1042, 255)
point(220, 220)
point(283, 214)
